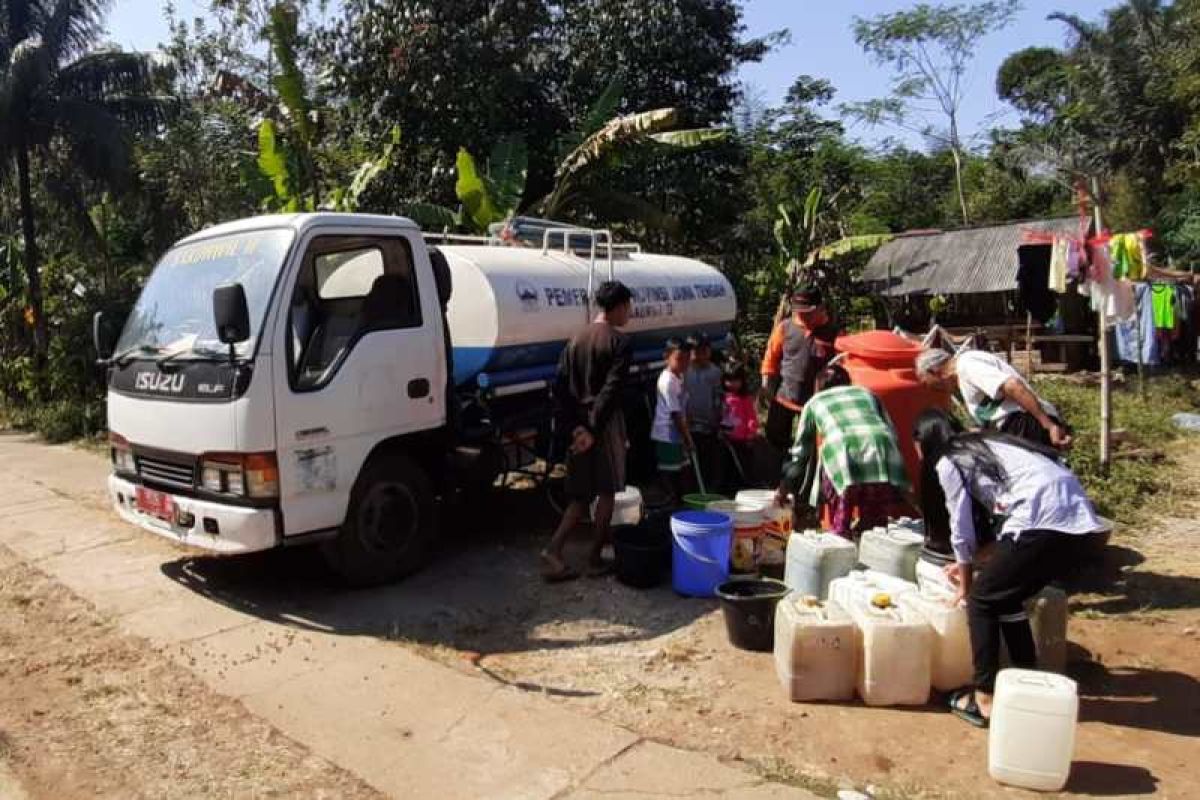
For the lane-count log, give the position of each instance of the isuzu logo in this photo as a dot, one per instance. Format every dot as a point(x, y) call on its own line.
point(160, 382)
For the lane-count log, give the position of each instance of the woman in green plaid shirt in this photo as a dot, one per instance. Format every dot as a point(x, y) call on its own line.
point(862, 482)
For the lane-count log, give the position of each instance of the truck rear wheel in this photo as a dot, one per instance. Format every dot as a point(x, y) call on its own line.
point(389, 526)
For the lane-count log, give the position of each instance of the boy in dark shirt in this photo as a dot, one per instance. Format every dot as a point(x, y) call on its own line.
point(588, 390)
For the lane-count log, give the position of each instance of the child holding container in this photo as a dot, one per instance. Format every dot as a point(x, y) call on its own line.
point(673, 447)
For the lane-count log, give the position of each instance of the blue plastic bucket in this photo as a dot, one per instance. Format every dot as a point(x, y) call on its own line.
point(700, 545)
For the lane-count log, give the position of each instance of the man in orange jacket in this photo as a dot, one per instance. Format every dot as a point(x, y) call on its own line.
point(799, 348)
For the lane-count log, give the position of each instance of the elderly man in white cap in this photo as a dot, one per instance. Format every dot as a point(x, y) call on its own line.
point(995, 394)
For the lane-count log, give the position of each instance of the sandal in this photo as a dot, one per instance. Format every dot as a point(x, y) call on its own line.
point(970, 710)
point(555, 570)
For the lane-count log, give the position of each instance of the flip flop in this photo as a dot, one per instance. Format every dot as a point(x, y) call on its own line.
point(555, 571)
point(970, 712)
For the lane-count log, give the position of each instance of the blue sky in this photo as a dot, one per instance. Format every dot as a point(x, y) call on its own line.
point(822, 45)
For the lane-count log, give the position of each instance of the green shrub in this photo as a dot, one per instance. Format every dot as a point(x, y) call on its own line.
point(1132, 482)
point(59, 421)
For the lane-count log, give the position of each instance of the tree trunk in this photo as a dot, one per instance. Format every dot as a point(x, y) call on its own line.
point(33, 278)
point(958, 183)
point(956, 152)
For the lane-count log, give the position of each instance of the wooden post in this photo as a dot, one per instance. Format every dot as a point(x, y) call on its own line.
point(1028, 345)
point(1105, 356)
point(1137, 321)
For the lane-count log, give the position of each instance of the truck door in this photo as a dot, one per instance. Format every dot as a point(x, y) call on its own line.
point(362, 361)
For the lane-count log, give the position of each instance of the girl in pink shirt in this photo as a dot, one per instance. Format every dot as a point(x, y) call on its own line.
point(739, 418)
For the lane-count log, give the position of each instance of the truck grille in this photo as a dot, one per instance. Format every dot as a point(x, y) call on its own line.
point(172, 473)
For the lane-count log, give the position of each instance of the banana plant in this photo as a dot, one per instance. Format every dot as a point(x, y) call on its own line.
point(796, 232)
point(349, 197)
point(494, 194)
point(287, 151)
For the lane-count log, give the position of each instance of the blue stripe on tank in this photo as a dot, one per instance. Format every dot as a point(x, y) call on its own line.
point(470, 362)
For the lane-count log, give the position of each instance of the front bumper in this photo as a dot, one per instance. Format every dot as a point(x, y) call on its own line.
point(241, 530)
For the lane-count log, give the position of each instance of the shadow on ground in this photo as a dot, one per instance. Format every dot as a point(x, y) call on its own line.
point(1116, 584)
point(1110, 780)
point(482, 592)
point(1136, 697)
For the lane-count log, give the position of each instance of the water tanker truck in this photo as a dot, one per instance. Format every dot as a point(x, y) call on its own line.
point(331, 378)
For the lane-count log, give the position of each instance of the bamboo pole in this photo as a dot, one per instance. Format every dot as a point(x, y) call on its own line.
point(1105, 356)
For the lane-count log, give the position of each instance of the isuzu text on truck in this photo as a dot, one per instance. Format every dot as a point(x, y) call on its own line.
point(316, 377)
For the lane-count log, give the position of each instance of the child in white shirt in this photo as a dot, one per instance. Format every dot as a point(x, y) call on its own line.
point(672, 439)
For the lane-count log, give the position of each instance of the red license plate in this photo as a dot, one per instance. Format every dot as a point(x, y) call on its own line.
point(156, 504)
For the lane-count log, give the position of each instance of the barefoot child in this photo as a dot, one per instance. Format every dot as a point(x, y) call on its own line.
point(672, 439)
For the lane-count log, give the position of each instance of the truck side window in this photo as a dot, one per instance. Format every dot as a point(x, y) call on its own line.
point(348, 287)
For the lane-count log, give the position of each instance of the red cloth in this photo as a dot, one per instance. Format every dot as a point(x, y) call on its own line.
point(862, 507)
point(740, 417)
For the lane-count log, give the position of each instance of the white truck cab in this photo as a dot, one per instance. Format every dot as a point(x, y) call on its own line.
point(292, 379)
point(245, 438)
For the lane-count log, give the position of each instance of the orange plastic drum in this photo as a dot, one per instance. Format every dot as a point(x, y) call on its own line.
point(884, 363)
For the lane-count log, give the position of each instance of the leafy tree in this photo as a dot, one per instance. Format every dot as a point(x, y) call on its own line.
point(930, 48)
point(57, 91)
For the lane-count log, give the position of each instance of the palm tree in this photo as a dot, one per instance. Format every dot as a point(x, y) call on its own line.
point(58, 92)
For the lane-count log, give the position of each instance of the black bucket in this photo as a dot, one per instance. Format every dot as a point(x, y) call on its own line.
point(749, 610)
point(936, 557)
point(643, 553)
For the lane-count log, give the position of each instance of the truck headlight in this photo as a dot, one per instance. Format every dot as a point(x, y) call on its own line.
point(253, 475)
point(121, 454)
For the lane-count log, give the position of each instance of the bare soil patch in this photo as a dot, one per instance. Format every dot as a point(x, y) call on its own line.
point(86, 712)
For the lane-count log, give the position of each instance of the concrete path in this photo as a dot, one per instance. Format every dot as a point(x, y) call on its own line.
point(406, 725)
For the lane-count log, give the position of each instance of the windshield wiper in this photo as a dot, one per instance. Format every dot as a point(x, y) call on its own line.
point(209, 355)
point(122, 359)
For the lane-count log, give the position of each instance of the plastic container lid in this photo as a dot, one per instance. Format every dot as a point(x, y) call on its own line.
point(1045, 693)
point(880, 348)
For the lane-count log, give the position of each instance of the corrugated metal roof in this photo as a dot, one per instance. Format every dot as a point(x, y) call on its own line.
point(966, 261)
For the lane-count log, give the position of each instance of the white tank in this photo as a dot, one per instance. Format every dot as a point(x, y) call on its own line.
point(513, 308)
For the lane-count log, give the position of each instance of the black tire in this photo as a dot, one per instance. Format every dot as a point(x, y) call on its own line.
point(389, 527)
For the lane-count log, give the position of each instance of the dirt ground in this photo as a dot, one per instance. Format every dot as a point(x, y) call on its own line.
point(661, 666)
point(86, 712)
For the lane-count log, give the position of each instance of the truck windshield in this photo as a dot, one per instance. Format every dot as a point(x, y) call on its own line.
point(174, 314)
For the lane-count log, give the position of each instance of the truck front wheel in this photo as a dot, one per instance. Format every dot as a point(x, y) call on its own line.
point(389, 526)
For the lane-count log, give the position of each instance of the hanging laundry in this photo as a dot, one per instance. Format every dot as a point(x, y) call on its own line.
point(1147, 259)
point(1076, 261)
point(1058, 266)
point(1126, 332)
point(1112, 297)
point(1125, 250)
point(1163, 303)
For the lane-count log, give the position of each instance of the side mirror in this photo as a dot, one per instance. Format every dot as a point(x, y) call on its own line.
point(102, 338)
point(231, 314)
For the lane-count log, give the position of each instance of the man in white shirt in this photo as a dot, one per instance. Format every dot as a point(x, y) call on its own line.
point(996, 395)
